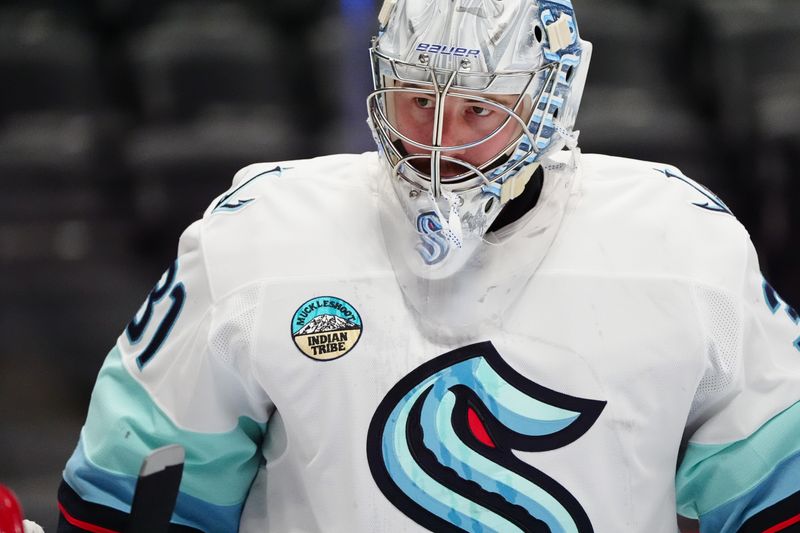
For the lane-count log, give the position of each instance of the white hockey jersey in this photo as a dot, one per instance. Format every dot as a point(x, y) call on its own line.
point(646, 368)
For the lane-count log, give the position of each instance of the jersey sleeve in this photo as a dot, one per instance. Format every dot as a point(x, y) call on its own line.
point(180, 373)
point(741, 466)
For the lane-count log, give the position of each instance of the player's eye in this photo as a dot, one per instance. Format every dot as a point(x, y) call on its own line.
point(480, 111)
point(423, 102)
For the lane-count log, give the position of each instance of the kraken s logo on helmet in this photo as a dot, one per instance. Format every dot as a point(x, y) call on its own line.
point(433, 247)
point(440, 446)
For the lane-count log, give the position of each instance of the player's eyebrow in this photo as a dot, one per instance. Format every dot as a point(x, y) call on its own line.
point(507, 100)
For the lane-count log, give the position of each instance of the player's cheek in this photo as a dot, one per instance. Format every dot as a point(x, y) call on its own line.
point(416, 128)
point(484, 126)
point(509, 132)
point(411, 149)
point(487, 150)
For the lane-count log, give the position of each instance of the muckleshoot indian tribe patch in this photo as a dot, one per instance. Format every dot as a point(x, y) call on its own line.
point(326, 328)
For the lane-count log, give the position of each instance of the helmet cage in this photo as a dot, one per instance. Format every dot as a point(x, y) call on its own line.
point(534, 131)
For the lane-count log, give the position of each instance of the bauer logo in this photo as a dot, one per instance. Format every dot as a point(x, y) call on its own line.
point(326, 328)
point(446, 50)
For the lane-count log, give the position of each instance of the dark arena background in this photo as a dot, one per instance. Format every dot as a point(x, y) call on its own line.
point(120, 120)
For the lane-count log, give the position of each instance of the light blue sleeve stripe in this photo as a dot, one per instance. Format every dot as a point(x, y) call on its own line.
point(102, 487)
point(124, 425)
point(782, 483)
point(97, 485)
point(711, 476)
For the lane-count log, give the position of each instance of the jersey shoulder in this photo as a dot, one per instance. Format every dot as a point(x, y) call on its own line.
point(649, 218)
point(267, 179)
point(292, 219)
point(669, 185)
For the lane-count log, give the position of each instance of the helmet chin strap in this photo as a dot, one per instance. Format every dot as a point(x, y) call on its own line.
point(570, 137)
point(451, 226)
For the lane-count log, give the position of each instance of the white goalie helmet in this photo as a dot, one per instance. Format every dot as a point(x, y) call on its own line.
point(471, 98)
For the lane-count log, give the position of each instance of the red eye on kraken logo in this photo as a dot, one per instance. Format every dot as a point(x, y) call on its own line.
point(478, 429)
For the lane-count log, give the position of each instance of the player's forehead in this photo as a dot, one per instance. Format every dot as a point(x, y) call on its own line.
point(421, 89)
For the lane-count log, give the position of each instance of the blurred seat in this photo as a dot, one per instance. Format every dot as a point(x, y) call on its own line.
point(777, 108)
point(63, 222)
point(46, 62)
point(337, 90)
point(65, 263)
point(776, 134)
point(58, 134)
point(201, 54)
point(636, 102)
point(64, 307)
point(631, 45)
point(133, 15)
point(747, 48)
point(67, 272)
point(57, 165)
point(299, 15)
point(652, 126)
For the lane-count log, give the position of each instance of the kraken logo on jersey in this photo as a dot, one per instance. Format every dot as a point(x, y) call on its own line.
point(440, 446)
point(326, 328)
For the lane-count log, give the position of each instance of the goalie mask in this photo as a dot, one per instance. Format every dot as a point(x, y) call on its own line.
point(471, 98)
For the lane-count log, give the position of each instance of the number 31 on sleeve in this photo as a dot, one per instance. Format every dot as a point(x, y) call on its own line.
point(139, 324)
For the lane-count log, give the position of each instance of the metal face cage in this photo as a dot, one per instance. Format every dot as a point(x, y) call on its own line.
point(420, 162)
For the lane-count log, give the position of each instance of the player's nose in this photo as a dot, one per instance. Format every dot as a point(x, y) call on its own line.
point(454, 132)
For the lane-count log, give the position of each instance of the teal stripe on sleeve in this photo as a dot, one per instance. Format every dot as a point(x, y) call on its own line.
point(711, 475)
point(780, 485)
point(116, 491)
point(124, 425)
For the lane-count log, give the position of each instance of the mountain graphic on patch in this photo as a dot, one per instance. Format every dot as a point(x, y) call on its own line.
point(332, 329)
point(324, 323)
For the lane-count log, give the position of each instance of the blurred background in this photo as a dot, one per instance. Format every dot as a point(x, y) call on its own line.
point(120, 120)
